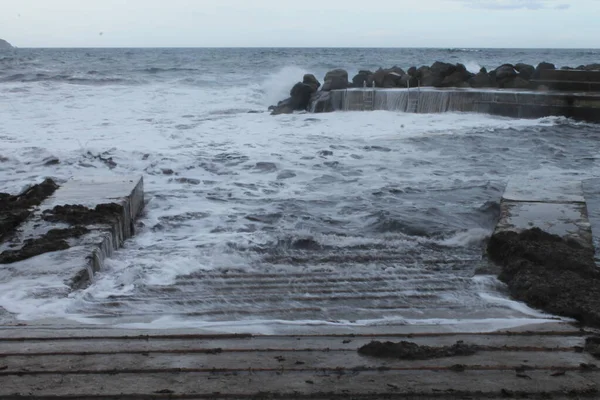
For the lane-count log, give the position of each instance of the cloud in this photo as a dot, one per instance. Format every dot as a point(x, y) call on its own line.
point(515, 4)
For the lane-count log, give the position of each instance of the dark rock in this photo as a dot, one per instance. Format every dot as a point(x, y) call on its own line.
point(458, 78)
point(549, 273)
point(408, 81)
point(442, 69)
point(336, 73)
point(51, 161)
point(526, 71)
point(300, 96)
point(14, 210)
point(412, 351)
point(299, 99)
point(81, 215)
point(515, 83)
point(591, 67)
point(412, 71)
point(481, 80)
point(335, 83)
point(387, 78)
point(543, 66)
point(504, 72)
point(53, 240)
point(361, 78)
point(312, 81)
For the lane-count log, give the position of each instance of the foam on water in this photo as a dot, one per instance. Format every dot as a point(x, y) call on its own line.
point(390, 205)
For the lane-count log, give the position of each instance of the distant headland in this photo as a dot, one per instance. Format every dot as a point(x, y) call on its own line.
point(4, 45)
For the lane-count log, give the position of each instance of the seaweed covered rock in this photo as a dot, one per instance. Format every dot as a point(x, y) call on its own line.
point(14, 209)
point(549, 273)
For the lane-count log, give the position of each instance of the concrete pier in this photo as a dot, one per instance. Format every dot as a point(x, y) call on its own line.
point(86, 254)
point(504, 102)
point(556, 206)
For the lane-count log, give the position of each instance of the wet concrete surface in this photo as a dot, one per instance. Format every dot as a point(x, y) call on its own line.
point(42, 362)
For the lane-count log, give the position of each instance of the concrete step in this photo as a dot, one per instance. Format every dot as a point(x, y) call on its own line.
point(82, 363)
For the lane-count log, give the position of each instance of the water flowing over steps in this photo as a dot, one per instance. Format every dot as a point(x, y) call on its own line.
point(100, 363)
point(443, 289)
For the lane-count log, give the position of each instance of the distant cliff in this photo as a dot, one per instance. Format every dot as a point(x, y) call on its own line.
point(4, 45)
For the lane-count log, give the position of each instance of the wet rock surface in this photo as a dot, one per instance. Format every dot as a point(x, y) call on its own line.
point(54, 240)
point(412, 351)
point(80, 215)
point(14, 209)
point(549, 273)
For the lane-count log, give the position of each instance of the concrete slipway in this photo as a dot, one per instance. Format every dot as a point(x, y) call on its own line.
point(56, 360)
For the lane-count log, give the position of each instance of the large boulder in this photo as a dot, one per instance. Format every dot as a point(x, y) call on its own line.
point(311, 80)
point(299, 99)
point(336, 79)
point(442, 69)
point(525, 71)
point(335, 83)
point(361, 78)
point(543, 66)
point(481, 80)
point(458, 78)
point(341, 73)
point(388, 78)
point(505, 72)
point(4, 45)
point(435, 75)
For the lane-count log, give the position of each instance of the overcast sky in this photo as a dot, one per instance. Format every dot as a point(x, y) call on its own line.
point(304, 23)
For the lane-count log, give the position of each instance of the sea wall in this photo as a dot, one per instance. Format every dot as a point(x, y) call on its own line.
point(520, 91)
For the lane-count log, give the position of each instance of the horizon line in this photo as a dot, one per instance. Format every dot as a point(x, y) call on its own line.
point(307, 47)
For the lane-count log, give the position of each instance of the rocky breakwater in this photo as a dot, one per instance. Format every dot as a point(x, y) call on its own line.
point(306, 95)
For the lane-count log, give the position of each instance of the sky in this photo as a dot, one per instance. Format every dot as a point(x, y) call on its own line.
point(301, 23)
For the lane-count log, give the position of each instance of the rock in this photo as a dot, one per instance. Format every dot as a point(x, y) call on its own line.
point(435, 75)
point(481, 80)
point(412, 71)
point(543, 66)
point(16, 209)
point(591, 67)
point(387, 78)
point(506, 71)
point(299, 99)
point(300, 95)
point(361, 78)
point(340, 73)
point(458, 78)
point(335, 83)
point(526, 71)
point(549, 273)
point(515, 83)
point(408, 81)
point(4, 45)
point(312, 81)
point(412, 351)
point(442, 69)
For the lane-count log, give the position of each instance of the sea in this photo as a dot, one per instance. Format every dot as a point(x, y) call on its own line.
point(265, 224)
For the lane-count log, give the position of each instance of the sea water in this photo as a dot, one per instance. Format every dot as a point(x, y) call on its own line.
point(256, 222)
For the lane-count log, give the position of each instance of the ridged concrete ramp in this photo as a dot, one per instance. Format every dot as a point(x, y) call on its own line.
point(118, 364)
point(547, 361)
